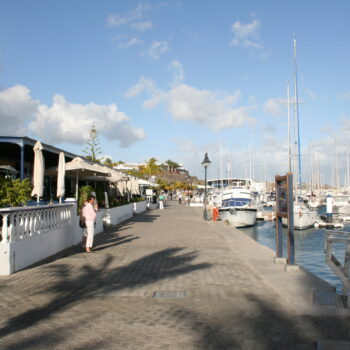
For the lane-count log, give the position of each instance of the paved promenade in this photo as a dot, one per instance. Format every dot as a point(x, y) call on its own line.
point(162, 280)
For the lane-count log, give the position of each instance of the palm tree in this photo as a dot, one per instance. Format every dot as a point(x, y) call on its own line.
point(172, 166)
point(108, 162)
point(151, 167)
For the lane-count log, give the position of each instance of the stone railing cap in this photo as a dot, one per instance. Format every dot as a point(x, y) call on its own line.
point(35, 207)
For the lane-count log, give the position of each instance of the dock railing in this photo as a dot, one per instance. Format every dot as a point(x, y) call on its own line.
point(342, 271)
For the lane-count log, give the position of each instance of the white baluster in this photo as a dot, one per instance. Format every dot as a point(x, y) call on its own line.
point(52, 223)
point(53, 216)
point(31, 223)
point(19, 224)
point(45, 221)
point(12, 229)
point(37, 222)
point(26, 223)
point(4, 229)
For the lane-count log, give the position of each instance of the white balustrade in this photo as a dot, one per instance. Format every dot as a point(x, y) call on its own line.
point(24, 222)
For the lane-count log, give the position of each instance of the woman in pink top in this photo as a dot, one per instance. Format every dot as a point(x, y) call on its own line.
point(89, 213)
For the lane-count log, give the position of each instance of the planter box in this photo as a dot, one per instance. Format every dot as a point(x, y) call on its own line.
point(140, 207)
point(152, 205)
point(114, 216)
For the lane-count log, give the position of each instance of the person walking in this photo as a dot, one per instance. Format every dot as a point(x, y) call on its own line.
point(179, 197)
point(89, 213)
point(161, 201)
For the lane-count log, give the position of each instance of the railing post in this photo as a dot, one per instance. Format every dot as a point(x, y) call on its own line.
point(4, 229)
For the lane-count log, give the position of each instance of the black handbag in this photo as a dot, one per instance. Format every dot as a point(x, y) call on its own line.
point(82, 222)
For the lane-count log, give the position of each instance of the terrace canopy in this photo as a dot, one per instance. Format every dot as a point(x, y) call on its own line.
point(81, 169)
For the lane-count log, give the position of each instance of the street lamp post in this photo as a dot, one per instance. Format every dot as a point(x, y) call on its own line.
point(206, 162)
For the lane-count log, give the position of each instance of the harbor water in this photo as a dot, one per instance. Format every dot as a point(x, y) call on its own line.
point(309, 248)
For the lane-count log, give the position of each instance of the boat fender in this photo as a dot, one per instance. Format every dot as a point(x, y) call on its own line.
point(317, 225)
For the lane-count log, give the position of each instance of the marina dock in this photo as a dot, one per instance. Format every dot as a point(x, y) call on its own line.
point(167, 279)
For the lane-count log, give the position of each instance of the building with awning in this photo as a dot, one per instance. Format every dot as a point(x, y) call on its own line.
point(17, 152)
point(17, 160)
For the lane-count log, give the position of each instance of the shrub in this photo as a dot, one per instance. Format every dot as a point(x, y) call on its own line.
point(14, 193)
point(84, 192)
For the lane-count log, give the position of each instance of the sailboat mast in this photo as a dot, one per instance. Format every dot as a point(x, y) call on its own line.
point(319, 174)
point(296, 113)
point(347, 171)
point(289, 146)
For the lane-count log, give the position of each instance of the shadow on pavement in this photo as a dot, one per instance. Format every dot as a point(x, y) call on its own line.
point(71, 289)
point(262, 325)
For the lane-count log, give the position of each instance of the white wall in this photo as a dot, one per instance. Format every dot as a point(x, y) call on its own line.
point(116, 215)
point(139, 207)
point(33, 234)
point(37, 234)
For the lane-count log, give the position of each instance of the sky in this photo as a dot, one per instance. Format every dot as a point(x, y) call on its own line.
point(176, 79)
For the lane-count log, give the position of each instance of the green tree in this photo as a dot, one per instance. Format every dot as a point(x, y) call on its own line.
point(163, 185)
point(135, 172)
point(92, 148)
point(108, 162)
point(14, 192)
point(150, 168)
point(84, 192)
point(172, 166)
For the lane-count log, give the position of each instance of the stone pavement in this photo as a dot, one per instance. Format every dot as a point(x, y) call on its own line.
point(207, 295)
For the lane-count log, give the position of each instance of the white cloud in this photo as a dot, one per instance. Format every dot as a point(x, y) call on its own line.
point(204, 107)
point(345, 122)
point(246, 34)
point(131, 42)
point(21, 115)
point(178, 72)
point(141, 26)
point(157, 49)
point(72, 122)
point(16, 108)
point(185, 102)
point(115, 20)
point(275, 106)
point(345, 95)
point(144, 84)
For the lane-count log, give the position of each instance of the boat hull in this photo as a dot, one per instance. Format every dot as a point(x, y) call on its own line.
point(302, 221)
point(240, 217)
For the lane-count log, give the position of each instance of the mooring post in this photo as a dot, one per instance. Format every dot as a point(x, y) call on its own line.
point(290, 208)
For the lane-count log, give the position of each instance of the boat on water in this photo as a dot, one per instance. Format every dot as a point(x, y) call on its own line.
point(304, 217)
point(238, 207)
point(341, 204)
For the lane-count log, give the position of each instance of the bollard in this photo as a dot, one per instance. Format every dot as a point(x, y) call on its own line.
point(215, 214)
point(329, 203)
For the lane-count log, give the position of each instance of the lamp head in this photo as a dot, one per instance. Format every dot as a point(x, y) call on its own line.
point(206, 162)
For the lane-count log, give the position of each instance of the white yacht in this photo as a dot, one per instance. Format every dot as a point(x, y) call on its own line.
point(304, 217)
point(238, 207)
point(341, 204)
